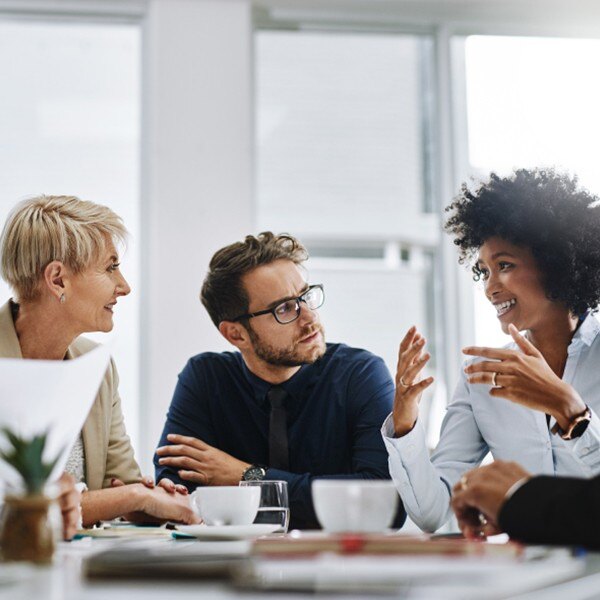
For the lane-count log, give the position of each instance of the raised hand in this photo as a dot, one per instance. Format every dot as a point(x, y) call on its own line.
point(523, 376)
point(409, 389)
point(199, 462)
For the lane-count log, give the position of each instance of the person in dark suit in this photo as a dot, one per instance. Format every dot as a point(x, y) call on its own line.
point(503, 497)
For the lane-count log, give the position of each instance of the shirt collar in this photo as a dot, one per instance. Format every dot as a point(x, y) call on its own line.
point(588, 330)
point(259, 386)
point(296, 386)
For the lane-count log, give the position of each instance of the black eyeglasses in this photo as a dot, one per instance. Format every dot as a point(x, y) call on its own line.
point(289, 310)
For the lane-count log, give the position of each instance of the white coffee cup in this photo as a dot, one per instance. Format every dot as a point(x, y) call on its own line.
point(354, 504)
point(226, 505)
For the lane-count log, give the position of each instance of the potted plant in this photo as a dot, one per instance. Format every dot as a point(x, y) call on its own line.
point(26, 533)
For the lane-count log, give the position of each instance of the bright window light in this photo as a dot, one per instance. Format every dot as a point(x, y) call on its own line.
point(69, 124)
point(531, 102)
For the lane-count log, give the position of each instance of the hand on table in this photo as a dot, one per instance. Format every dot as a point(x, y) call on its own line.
point(479, 495)
point(523, 376)
point(411, 361)
point(158, 505)
point(68, 500)
point(199, 462)
point(148, 482)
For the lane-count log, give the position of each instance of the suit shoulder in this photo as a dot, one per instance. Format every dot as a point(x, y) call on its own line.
point(349, 354)
point(214, 362)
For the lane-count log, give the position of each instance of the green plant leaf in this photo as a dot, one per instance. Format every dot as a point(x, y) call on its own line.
point(26, 457)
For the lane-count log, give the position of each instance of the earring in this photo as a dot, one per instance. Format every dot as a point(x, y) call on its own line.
point(62, 299)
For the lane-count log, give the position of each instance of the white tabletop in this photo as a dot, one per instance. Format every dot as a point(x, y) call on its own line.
point(64, 580)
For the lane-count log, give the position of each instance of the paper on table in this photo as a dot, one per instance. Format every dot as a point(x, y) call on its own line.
point(48, 395)
point(423, 576)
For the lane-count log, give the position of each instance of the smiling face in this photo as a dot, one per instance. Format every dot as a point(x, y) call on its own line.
point(513, 284)
point(93, 293)
point(290, 345)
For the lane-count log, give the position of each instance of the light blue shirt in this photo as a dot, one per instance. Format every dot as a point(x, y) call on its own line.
point(477, 423)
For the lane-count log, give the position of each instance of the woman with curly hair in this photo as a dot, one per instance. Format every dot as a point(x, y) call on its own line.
point(534, 238)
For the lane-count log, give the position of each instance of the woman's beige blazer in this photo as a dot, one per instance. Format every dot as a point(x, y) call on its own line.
point(108, 451)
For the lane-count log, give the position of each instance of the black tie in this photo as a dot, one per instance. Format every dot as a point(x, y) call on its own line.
point(278, 441)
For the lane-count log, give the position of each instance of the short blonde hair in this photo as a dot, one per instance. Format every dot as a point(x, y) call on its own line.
point(46, 228)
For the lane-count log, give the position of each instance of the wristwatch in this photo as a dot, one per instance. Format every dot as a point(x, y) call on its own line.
point(576, 427)
point(254, 473)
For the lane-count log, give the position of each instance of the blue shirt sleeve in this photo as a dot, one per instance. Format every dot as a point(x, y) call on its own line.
point(187, 415)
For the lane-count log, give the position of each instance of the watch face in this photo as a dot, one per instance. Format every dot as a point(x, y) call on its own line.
point(580, 428)
point(254, 474)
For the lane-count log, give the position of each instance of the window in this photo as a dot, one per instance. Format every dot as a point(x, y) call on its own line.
point(344, 139)
point(69, 124)
point(530, 102)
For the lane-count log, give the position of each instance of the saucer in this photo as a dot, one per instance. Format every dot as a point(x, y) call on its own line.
point(227, 532)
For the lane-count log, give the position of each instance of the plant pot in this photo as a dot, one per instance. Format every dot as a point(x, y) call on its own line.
point(26, 533)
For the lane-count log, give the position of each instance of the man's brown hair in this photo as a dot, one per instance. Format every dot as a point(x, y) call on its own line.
point(223, 293)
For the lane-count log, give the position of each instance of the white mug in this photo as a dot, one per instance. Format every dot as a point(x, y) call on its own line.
point(226, 505)
point(356, 505)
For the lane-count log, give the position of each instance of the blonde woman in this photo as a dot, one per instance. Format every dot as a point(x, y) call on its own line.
point(59, 255)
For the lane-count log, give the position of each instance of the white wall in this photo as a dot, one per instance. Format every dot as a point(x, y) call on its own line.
point(196, 180)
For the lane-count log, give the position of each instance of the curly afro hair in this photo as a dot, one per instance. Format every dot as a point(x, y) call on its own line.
point(544, 211)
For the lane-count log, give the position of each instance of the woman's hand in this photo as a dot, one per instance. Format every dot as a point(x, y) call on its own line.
point(68, 500)
point(411, 361)
point(148, 482)
point(158, 505)
point(173, 488)
point(523, 376)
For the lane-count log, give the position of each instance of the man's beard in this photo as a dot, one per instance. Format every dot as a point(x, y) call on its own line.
point(287, 357)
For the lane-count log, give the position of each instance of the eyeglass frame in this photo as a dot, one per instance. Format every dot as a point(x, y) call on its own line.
point(297, 299)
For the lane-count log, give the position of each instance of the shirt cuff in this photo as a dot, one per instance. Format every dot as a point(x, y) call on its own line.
point(80, 487)
point(387, 429)
point(410, 446)
point(515, 486)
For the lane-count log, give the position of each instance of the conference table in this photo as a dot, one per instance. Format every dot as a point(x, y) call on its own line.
point(542, 573)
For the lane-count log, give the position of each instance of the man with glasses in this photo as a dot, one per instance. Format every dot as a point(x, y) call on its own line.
point(285, 406)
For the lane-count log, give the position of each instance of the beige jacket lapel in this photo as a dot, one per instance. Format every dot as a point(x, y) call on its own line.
point(104, 424)
point(93, 434)
point(93, 428)
point(9, 342)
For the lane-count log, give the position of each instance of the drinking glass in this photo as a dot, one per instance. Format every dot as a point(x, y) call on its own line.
point(274, 506)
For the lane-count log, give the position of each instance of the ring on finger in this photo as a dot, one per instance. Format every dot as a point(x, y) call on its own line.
point(494, 382)
point(463, 483)
point(403, 383)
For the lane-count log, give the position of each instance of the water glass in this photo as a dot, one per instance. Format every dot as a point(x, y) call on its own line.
point(274, 507)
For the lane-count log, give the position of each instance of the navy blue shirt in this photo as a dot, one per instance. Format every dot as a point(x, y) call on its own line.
point(335, 409)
